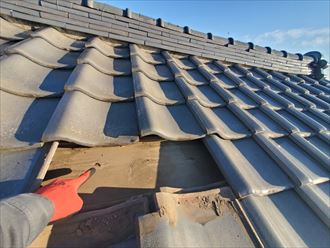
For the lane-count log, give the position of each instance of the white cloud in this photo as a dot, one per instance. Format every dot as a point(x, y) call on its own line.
point(300, 40)
point(301, 37)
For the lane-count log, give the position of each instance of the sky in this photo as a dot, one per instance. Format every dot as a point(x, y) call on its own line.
point(294, 26)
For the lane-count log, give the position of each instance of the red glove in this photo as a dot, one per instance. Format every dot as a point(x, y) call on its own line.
point(64, 196)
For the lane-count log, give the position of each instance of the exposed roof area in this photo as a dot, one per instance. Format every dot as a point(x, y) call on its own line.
point(267, 128)
point(139, 170)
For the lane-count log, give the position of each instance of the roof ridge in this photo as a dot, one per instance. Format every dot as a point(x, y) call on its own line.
point(89, 16)
point(186, 29)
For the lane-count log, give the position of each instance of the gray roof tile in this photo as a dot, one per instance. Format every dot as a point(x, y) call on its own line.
point(23, 125)
point(104, 64)
point(314, 124)
point(311, 150)
point(300, 167)
point(295, 78)
point(268, 121)
point(237, 72)
point(10, 31)
point(43, 82)
point(247, 167)
point(248, 120)
point(34, 48)
point(113, 50)
point(311, 89)
point(308, 79)
point(301, 121)
point(205, 95)
point(285, 220)
point(242, 99)
point(58, 39)
point(320, 117)
point(302, 127)
point(154, 72)
point(321, 102)
point(293, 99)
point(164, 93)
point(148, 56)
point(250, 84)
point(3, 42)
point(320, 144)
point(269, 100)
point(194, 77)
point(324, 97)
point(257, 74)
point(322, 87)
point(317, 197)
point(19, 170)
point(278, 118)
point(212, 67)
point(173, 122)
point(90, 122)
point(104, 87)
point(219, 120)
point(225, 82)
point(185, 63)
point(325, 83)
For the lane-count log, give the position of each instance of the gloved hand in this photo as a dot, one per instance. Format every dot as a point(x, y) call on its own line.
point(64, 196)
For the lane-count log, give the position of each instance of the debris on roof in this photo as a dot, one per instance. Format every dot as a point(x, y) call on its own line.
point(202, 219)
point(105, 227)
point(125, 173)
point(101, 76)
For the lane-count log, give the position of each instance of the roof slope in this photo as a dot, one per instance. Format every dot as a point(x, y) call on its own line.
point(268, 131)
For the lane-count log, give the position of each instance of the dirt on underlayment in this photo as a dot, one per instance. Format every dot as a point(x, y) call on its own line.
point(125, 172)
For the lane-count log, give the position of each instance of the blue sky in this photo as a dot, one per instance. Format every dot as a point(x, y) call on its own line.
point(294, 26)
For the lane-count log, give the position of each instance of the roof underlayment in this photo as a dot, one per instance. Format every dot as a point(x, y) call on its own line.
point(262, 114)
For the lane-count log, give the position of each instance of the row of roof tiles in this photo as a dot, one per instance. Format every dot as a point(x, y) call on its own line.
point(146, 31)
point(216, 95)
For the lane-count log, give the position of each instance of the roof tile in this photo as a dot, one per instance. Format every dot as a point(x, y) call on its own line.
point(247, 167)
point(154, 72)
point(205, 95)
point(173, 122)
point(58, 39)
point(34, 81)
point(149, 57)
point(34, 48)
point(317, 197)
point(107, 48)
point(300, 167)
point(104, 87)
point(10, 31)
point(104, 64)
point(289, 220)
point(19, 170)
point(165, 93)
point(90, 122)
point(219, 120)
point(23, 125)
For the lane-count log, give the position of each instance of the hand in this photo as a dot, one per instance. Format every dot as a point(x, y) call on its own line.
point(64, 196)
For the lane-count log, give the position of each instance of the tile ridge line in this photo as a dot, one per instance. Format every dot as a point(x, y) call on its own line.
point(114, 23)
point(94, 4)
